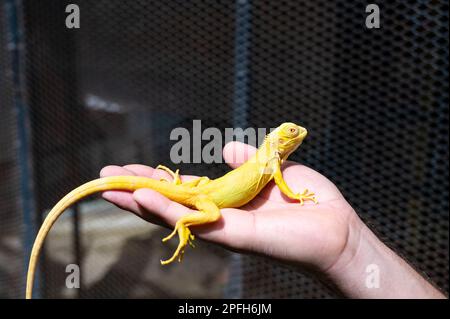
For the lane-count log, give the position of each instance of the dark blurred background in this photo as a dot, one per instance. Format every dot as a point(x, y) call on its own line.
point(375, 102)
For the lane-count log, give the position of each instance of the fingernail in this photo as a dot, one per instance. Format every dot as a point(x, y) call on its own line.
point(108, 195)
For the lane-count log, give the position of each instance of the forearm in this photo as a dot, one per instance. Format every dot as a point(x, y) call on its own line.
point(369, 269)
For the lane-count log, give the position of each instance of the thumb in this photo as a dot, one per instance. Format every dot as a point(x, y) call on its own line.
point(237, 153)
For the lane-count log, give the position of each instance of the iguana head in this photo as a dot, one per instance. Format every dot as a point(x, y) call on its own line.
point(287, 138)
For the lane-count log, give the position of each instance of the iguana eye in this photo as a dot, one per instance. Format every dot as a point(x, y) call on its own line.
point(293, 131)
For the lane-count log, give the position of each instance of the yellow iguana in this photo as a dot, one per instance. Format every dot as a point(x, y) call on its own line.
point(234, 189)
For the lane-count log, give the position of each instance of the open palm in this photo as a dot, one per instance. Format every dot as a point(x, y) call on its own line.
point(271, 224)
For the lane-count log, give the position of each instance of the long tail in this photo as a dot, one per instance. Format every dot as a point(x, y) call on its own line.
point(129, 183)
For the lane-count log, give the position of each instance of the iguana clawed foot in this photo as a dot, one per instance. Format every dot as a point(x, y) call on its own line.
point(175, 175)
point(306, 195)
point(185, 236)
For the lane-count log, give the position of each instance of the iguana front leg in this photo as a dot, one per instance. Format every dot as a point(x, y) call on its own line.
point(208, 213)
point(284, 188)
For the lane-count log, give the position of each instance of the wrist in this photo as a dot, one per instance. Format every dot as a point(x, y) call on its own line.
point(367, 268)
point(350, 255)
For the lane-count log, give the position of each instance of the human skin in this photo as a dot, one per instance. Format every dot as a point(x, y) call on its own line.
point(328, 238)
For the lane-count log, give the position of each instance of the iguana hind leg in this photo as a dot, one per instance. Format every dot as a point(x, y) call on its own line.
point(197, 182)
point(177, 180)
point(175, 175)
point(208, 213)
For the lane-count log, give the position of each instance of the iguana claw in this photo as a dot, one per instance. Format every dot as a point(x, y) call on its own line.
point(306, 195)
point(186, 237)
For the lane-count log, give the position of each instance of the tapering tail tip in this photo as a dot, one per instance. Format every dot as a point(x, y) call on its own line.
point(29, 284)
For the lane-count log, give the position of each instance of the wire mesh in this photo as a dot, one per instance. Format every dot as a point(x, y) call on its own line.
point(374, 101)
point(376, 104)
point(11, 225)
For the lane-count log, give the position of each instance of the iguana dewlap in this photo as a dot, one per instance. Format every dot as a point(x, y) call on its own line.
point(234, 189)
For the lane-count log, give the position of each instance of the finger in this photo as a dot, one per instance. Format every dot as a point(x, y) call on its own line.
point(114, 170)
point(237, 153)
point(147, 171)
point(123, 199)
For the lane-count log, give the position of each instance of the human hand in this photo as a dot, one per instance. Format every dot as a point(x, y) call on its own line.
point(271, 224)
point(328, 237)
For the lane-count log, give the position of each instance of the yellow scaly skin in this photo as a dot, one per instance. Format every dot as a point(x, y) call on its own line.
point(234, 189)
